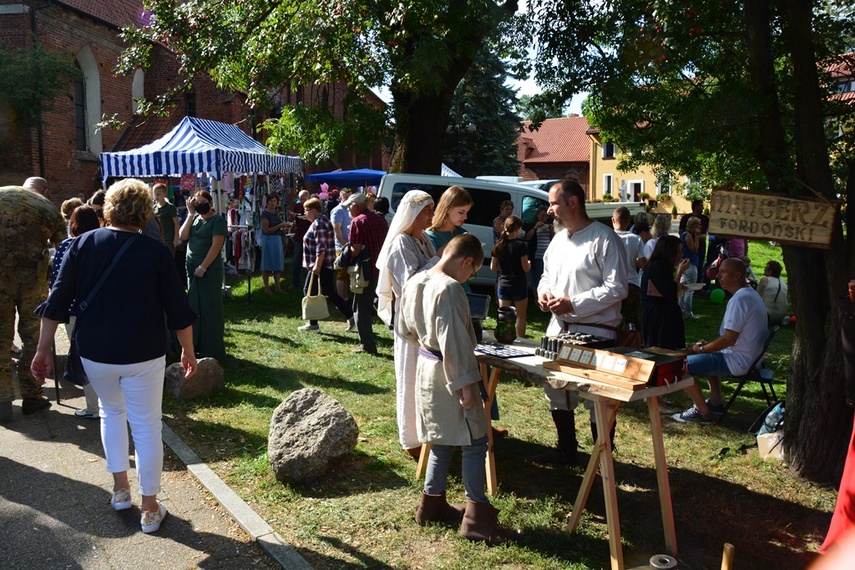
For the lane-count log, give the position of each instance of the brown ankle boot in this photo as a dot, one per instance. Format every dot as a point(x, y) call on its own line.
point(434, 508)
point(481, 522)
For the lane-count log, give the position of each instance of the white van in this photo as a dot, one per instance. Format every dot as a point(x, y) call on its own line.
point(487, 196)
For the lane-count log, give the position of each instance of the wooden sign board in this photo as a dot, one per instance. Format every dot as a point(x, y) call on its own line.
point(752, 215)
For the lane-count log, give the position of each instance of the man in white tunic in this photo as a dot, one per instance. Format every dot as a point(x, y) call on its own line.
point(434, 315)
point(584, 281)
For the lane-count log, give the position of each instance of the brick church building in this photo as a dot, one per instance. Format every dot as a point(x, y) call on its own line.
point(65, 148)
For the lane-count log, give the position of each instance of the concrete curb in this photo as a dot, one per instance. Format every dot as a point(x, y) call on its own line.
point(273, 544)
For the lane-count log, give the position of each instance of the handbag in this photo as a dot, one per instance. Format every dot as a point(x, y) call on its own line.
point(74, 371)
point(315, 306)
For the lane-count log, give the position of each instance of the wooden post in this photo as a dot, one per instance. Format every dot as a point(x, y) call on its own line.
point(727, 556)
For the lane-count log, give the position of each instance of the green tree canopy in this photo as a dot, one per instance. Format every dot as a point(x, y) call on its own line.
point(737, 94)
point(420, 50)
point(30, 80)
point(483, 130)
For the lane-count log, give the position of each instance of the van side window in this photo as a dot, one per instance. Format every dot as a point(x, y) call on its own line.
point(486, 206)
point(530, 206)
point(483, 212)
point(400, 189)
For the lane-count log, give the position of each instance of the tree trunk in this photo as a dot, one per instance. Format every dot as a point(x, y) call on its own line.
point(420, 123)
point(818, 421)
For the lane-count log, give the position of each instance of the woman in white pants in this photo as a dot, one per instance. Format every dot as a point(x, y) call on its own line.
point(120, 336)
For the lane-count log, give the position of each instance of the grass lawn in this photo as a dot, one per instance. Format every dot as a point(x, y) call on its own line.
point(361, 515)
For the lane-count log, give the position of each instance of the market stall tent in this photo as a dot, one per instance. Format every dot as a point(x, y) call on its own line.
point(195, 146)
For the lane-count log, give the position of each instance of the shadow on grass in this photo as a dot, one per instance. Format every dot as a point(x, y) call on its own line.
point(708, 512)
point(321, 561)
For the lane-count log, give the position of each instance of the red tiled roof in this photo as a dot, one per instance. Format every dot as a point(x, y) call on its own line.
point(144, 130)
point(557, 140)
point(119, 13)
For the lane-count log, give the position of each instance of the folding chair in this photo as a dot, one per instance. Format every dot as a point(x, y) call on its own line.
point(756, 373)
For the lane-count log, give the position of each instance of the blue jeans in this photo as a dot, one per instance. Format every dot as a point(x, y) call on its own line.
point(706, 365)
point(474, 474)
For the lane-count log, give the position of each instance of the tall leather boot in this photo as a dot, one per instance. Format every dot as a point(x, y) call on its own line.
point(611, 433)
point(434, 508)
point(565, 425)
point(481, 522)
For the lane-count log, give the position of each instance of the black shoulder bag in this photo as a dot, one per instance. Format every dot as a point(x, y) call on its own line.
point(74, 372)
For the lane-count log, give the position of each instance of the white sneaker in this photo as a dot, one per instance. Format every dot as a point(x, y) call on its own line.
point(150, 520)
point(121, 500)
point(351, 325)
point(308, 328)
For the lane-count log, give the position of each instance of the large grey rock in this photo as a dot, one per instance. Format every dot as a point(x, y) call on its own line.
point(309, 433)
point(209, 377)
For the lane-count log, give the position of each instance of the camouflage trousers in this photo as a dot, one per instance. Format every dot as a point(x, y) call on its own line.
point(22, 291)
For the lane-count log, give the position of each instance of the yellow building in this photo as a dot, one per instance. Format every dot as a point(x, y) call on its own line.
point(634, 186)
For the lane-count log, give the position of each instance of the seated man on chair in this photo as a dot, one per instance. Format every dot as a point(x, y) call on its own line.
point(743, 334)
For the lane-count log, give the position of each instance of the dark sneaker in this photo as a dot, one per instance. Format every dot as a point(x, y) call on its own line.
point(556, 457)
point(693, 416)
point(351, 325)
point(33, 405)
point(717, 409)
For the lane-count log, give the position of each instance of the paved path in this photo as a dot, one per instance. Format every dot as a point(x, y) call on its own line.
point(55, 504)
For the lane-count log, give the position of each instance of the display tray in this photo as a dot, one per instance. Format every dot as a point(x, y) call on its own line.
point(500, 350)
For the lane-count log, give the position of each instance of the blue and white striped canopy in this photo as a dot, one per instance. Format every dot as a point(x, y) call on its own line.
point(198, 145)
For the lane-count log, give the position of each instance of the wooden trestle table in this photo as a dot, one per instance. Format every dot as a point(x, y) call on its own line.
point(606, 399)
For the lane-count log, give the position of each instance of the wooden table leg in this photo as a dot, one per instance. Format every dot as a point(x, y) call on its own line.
point(421, 467)
point(662, 476)
point(585, 489)
point(604, 412)
point(491, 381)
point(591, 473)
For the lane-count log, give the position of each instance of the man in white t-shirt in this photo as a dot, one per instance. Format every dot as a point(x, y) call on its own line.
point(631, 306)
point(743, 334)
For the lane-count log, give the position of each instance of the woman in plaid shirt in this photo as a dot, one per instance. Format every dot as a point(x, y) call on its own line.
point(318, 259)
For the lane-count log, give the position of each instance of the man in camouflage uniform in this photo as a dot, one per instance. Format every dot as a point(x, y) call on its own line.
point(28, 223)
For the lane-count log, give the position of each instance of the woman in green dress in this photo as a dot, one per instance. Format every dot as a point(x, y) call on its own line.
point(206, 232)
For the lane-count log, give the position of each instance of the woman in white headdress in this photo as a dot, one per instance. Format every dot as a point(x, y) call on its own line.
point(406, 251)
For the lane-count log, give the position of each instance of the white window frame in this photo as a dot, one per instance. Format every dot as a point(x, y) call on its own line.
point(613, 147)
point(608, 184)
point(630, 196)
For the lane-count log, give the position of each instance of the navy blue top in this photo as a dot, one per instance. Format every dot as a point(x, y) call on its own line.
point(124, 321)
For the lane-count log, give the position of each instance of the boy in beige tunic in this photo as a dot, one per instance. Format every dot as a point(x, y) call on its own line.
point(434, 315)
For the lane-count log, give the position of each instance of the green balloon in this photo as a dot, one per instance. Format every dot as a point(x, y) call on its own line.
point(717, 296)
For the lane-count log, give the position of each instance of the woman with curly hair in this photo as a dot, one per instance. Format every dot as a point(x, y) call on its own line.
point(120, 336)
